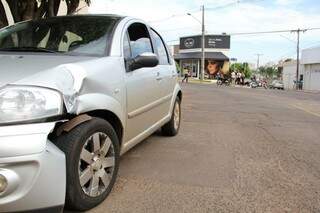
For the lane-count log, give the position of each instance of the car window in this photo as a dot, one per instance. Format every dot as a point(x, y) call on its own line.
point(68, 35)
point(68, 40)
point(140, 41)
point(161, 49)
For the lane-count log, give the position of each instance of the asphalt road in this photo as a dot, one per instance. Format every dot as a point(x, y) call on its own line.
point(239, 150)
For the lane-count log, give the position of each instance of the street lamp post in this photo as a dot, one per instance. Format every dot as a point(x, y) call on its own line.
point(203, 46)
point(298, 31)
point(258, 60)
point(202, 41)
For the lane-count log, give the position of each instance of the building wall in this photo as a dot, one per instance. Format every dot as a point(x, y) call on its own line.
point(311, 56)
point(312, 77)
point(289, 73)
point(311, 61)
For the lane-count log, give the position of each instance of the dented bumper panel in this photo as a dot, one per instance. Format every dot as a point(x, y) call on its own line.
point(33, 167)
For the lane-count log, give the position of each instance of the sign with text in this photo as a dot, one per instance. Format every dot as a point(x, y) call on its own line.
point(211, 41)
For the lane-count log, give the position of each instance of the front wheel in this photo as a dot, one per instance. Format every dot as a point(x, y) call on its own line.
point(172, 127)
point(92, 161)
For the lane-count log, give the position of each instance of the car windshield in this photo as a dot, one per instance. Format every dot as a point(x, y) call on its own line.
point(74, 35)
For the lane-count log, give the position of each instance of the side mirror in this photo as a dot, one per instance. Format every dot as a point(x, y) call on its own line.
point(143, 60)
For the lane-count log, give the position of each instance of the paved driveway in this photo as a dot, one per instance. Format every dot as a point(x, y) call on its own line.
point(239, 150)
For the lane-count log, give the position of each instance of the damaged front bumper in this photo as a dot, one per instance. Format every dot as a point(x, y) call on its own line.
point(33, 169)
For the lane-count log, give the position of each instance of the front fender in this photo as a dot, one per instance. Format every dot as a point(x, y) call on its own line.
point(177, 89)
point(96, 101)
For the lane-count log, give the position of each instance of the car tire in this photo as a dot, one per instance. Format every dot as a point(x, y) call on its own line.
point(172, 127)
point(92, 161)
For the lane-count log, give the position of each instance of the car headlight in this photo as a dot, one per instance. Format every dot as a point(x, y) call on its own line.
point(25, 103)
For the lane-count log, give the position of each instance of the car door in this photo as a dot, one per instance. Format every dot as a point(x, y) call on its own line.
point(166, 69)
point(142, 85)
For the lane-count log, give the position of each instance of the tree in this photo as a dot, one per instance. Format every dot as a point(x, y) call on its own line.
point(3, 18)
point(269, 72)
point(23, 10)
point(243, 68)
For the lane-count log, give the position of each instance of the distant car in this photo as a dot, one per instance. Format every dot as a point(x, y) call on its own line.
point(76, 92)
point(276, 84)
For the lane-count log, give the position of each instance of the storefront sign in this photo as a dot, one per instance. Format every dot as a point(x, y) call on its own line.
point(211, 41)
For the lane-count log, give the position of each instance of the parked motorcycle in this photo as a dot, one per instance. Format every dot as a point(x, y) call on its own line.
point(223, 81)
point(253, 84)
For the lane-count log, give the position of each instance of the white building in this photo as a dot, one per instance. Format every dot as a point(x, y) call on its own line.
point(309, 71)
point(289, 73)
point(311, 62)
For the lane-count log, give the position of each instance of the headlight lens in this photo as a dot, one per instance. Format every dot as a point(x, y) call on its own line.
point(23, 103)
point(3, 183)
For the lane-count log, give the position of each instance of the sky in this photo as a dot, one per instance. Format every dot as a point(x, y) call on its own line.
point(170, 19)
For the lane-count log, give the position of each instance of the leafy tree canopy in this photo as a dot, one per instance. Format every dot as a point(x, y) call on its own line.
point(269, 72)
point(23, 10)
point(241, 67)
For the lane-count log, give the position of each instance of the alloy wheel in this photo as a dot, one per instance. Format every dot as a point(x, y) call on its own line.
point(176, 114)
point(96, 164)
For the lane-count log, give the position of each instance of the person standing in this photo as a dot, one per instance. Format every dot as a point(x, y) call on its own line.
point(242, 78)
point(239, 78)
point(186, 75)
point(233, 77)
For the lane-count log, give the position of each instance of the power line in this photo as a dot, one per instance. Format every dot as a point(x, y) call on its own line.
point(265, 32)
point(272, 31)
point(292, 53)
point(250, 33)
point(232, 4)
point(289, 39)
point(207, 9)
point(172, 16)
point(223, 6)
point(177, 29)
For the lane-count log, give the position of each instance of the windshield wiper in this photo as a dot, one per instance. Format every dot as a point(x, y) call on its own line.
point(28, 49)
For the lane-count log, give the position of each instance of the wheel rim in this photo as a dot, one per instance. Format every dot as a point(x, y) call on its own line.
point(176, 115)
point(96, 164)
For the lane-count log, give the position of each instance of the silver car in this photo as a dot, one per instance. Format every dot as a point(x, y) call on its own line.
point(76, 93)
point(276, 84)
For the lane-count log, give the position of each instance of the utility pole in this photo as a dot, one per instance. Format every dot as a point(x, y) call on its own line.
point(202, 41)
point(203, 45)
point(298, 31)
point(258, 61)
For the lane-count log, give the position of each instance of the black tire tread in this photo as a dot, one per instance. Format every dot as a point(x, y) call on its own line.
point(67, 143)
point(168, 129)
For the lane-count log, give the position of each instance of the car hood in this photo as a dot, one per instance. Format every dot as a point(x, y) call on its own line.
point(15, 68)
